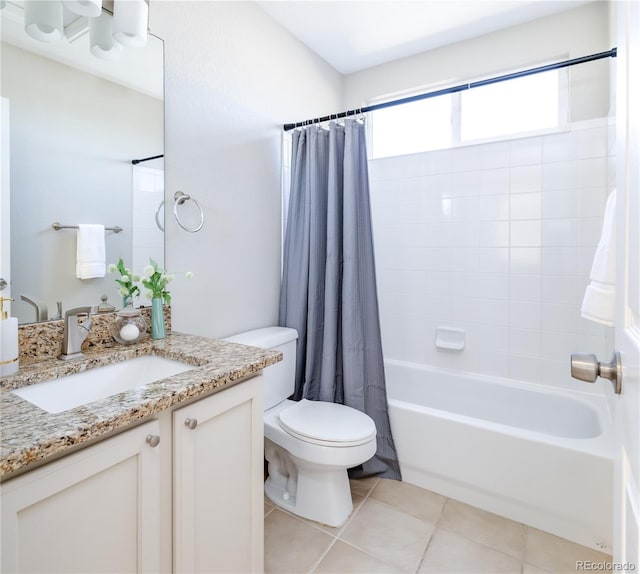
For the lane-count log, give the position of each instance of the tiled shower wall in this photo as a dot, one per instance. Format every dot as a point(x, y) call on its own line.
point(498, 240)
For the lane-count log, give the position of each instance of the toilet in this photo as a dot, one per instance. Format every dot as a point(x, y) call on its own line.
point(309, 445)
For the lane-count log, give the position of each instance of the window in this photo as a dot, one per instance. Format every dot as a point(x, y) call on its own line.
point(522, 106)
point(417, 127)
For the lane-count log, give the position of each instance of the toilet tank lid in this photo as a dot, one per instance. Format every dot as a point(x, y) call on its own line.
point(266, 338)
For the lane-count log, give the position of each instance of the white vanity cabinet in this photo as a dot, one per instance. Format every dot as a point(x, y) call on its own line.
point(181, 493)
point(218, 501)
point(96, 510)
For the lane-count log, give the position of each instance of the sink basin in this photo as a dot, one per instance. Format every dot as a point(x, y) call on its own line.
point(78, 389)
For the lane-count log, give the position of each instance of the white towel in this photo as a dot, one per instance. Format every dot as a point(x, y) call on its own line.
point(599, 303)
point(90, 253)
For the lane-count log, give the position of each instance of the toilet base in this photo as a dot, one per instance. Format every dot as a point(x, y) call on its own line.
point(316, 492)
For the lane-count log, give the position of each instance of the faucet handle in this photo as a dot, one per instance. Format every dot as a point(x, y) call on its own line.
point(81, 311)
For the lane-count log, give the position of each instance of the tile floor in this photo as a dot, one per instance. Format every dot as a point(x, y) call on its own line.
point(399, 528)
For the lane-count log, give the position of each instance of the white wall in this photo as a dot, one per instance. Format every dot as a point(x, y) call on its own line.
point(570, 34)
point(232, 78)
point(73, 137)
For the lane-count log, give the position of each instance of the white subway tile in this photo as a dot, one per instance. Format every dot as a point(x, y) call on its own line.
point(475, 310)
point(440, 185)
point(560, 175)
point(560, 232)
point(487, 337)
point(560, 317)
point(585, 260)
point(465, 183)
point(558, 346)
point(592, 142)
point(560, 289)
point(525, 288)
point(560, 260)
point(560, 147)
point(526, 233)
point(494, 181)
point(492, 259)
point(464, 208)
point(466, 158)
point(592, 172)
point(527, 260)
point(526, 178)
point(592, 201)
point(493, 234)
point(525, 369)
point(526, 206)
point(493, 208)
point(525, 342)
point(494, 155)
point(560, 204)
point(463, 234)
point(525, 315)
point(590, 230)
point(526, 151)
point(481, 285)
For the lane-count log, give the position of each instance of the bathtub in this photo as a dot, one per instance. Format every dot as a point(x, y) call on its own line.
point(535, 455)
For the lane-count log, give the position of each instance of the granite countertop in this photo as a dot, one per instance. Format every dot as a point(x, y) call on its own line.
point(29, 435)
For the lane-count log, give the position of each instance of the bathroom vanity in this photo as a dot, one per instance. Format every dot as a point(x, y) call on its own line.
point(164, 477)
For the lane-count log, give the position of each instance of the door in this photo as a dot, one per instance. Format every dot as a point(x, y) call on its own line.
point(627, 330)
point(218, 512)
point(5, 204)
point(96, 510)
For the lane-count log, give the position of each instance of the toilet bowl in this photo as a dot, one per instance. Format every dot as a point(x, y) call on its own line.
point(309, 445)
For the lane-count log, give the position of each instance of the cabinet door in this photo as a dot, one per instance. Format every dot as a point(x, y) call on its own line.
point(92, 511)
point(218, 481)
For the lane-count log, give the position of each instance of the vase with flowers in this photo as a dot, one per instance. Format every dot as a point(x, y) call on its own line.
point(127, 281)
point(156, 280)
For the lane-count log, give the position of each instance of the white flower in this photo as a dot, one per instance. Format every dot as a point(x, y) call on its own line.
point(127, 271)
point(135, 278)
point(189, 275)
point(125, 278)
point(124, 292)
point(148, 271)
point(169, 277)
point(148, 294)
point(112, 268)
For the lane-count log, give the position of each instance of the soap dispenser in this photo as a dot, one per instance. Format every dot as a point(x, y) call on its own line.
point(8, 341)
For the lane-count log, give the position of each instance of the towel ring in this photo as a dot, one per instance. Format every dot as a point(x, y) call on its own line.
point(160, 226)
point(179, 198)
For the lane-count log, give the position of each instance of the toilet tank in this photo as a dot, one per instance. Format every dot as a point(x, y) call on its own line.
point(279, 379)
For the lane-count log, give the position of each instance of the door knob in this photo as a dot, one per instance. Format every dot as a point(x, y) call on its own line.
point(191, 423)
point(3, 283)
point(153, 440)
point(585, 367)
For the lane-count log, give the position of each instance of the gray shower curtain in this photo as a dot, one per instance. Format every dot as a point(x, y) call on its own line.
point(328, 290)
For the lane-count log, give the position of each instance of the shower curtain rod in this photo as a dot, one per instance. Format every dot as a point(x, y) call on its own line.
point(137, 161)
point(460, 88)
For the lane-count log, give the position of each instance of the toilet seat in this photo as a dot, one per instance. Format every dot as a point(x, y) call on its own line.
point(327, 424)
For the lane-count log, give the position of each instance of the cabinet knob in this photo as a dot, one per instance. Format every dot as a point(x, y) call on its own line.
point(153, 440)
point(191, 423)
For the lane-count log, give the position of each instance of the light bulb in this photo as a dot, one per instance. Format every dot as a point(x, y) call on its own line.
point(130, 22)
point(43, 20)
point(103, 45)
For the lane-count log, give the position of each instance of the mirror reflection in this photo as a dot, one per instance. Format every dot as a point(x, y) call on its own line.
point(76, 122)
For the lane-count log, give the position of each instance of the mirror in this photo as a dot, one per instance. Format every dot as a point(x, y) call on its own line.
point(76, 124)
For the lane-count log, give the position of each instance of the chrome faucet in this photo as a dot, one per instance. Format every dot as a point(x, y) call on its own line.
point(75, 332)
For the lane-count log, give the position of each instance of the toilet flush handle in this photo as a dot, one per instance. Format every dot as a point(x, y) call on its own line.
point(191, 423)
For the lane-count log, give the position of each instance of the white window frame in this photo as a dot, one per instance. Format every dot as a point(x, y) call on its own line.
point(456, 141)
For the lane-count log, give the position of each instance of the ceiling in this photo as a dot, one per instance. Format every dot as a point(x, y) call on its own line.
point(353, 35)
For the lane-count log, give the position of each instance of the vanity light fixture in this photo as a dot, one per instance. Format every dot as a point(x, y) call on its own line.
point(130, 22)
point(43, 20)
point(88, 8)
point(103, 45)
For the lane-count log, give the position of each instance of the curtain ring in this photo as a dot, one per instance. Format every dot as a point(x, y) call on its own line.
point(179, 198)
